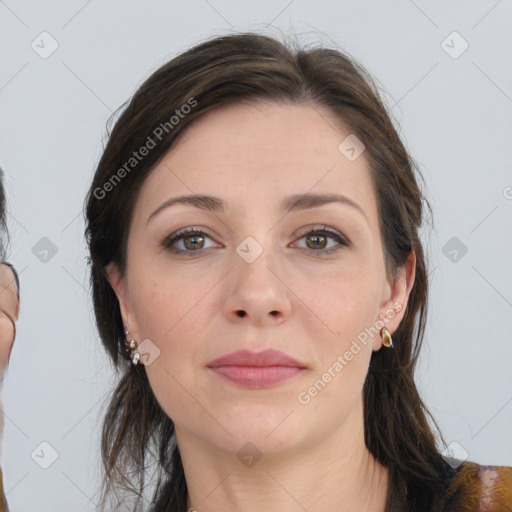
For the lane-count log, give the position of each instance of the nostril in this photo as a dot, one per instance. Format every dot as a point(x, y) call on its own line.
point(241, 313)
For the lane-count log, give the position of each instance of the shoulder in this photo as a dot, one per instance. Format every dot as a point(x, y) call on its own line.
point(479, 488)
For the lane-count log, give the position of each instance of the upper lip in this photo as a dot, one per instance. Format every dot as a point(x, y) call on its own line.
point(269, 357)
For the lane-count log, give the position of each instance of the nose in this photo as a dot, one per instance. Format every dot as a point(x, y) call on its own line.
point(257, 293)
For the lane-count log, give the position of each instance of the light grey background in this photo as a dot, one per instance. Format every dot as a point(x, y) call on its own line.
point(455, 116)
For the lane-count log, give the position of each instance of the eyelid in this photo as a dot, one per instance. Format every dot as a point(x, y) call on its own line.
point(323, 228)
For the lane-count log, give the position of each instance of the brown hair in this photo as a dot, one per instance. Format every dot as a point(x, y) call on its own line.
point(3, 219)
point(246, 67)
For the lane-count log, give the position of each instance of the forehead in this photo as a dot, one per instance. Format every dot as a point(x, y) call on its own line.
point(258, 153)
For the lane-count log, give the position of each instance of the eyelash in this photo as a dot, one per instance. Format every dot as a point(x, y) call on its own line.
point(179, 235)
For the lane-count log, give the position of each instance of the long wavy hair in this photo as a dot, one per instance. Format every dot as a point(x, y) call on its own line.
point(137, 435)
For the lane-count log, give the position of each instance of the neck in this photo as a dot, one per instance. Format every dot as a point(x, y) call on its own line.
point(336, 473)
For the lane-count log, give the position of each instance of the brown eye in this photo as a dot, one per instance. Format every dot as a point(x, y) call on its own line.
point(186, 241)
point(193, 242)
point(318, 239)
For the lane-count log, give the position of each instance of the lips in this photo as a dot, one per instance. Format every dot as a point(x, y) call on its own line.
point(256, 370)
point(258, 359)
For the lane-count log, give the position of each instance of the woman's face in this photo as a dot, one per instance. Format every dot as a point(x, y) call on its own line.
point(9, 308)
point(255, 280)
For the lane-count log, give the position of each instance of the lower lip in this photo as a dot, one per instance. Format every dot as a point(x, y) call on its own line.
point(256, 377)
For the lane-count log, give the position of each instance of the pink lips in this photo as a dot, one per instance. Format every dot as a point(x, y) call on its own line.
point(256, 370)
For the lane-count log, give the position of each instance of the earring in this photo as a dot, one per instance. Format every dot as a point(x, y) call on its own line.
point(130, 346)
point(386, 337)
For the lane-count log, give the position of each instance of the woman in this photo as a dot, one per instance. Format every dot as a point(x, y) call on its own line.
point(9, 311)
point(253, 230)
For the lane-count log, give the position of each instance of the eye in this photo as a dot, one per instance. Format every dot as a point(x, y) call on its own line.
point(192, 240)
point(317, 240)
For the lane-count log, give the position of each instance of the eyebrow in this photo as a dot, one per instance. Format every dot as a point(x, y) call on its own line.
point(295, 202)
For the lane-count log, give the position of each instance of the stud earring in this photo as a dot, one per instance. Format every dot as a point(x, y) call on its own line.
point(386, 337)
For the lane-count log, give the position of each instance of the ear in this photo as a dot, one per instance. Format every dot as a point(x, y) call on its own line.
point(395, 298)
point(119, 285)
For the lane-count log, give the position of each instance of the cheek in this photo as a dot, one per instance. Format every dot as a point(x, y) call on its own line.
point(162, 306)
point(342, 303)
point(169, 314)
point(346, 304)
point(165, 319)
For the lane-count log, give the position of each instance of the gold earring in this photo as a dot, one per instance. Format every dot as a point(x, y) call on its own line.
point(386, 337)
point(130, 346)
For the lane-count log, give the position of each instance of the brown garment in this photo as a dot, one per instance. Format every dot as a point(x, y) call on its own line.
point(3, 501)
point(478, 488)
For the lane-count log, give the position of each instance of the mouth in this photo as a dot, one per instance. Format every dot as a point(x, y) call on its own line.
point(256, 370)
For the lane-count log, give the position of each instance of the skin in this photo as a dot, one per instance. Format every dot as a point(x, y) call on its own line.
point(9, 311)
point(310, 307)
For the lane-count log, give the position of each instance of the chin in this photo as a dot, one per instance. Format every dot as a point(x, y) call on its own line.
point(270, 429)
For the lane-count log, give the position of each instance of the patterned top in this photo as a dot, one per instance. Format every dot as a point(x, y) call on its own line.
point(477, 488)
